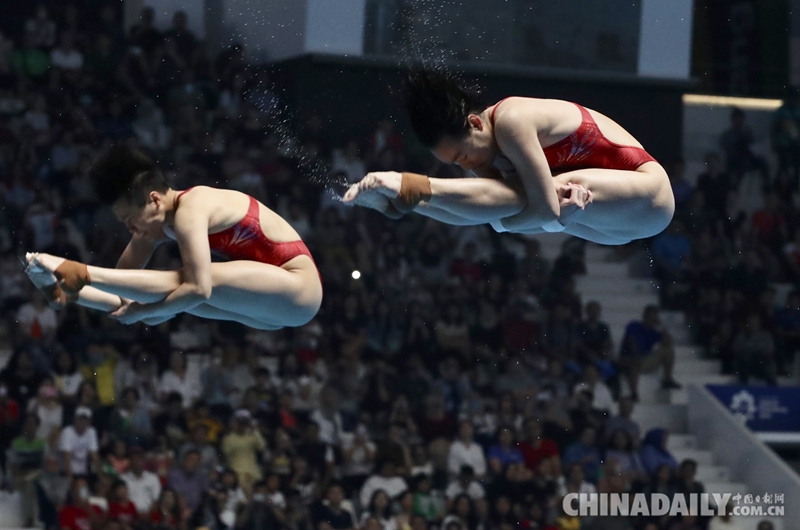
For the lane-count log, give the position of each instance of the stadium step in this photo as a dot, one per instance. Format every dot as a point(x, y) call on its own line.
point(603, 269)
point(695, 366)
point(665, 416)
point(681, 442)
point(713, 474)
point(703, 458)
point(592, 287)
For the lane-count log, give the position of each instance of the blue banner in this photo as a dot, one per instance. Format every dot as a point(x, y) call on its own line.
point(762, 408)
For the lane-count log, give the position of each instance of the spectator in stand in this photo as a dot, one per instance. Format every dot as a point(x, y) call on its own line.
point(714, 184)
point(52, 489)
point(686, 482)
point(535, 447)
point(603, 400)
point(209, 459)
point(130, 420)
point(623, 421)
point(42, 28)
point(37, 321)
point(260, 514)
point(681, 188)
point(29, 60)
point(785, 134)
point(787, 331)
point(25, 459)
point(184, 38)
point(143, 486)
point(654, 451)
point(466, 484)
point(332, 512)
point(380, 508)
point(505, 453)
point(65, 56)
point(187, 481)
point(465, 452)
point(755, 352)
point(78, 514)
point(387, 481)
point(585, 453)
point(79, 444)
point(168, 510)
point(120, 507)
point(593, 342)
point(241, 448)
point(646, 346)
point(172, 422)
point(736, 143)
point(178, 379)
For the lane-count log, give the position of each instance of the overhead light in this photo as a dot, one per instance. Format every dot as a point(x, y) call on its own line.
point(731, 101)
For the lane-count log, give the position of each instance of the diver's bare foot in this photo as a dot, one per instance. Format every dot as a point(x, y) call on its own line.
point(387, 183)
point(43, 262)
point(39, 276)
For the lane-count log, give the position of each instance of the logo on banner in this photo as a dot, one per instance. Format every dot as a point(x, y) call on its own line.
point(743, 405)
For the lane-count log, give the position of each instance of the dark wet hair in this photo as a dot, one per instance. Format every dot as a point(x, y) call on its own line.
point(438, 105)
point(124, 172)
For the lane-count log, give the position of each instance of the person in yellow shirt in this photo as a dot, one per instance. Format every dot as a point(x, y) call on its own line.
point(201, 415)
point(241, 447)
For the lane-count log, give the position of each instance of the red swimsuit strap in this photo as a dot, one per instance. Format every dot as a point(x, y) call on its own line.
point(494, 109)
point(178, 198)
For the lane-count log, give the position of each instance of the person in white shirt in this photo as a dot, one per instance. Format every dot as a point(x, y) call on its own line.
point(181, 380)
point(603, 400)
point(387, 481)
point(465, 452)
point(66, 56)
point(78, 444)
point(36, 320)
point(466, 485)
point(144, 488)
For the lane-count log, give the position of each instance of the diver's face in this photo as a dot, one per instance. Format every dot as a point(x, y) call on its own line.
point(147, 220)
point(476, 150)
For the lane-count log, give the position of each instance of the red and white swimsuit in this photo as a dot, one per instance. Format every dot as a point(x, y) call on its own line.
point(246, 241)
point(585, 148)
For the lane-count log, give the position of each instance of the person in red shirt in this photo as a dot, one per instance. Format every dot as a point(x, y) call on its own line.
point(120, 507)
point(78, 514)
point(534, 448)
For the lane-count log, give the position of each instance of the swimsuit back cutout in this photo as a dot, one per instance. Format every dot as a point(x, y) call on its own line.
point(587, 147)
point(246, 240)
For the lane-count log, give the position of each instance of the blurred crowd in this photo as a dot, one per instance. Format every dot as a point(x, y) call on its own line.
point(453, 379)
point(721, 262)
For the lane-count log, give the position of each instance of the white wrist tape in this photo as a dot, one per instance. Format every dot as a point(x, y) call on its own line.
point(553, 226)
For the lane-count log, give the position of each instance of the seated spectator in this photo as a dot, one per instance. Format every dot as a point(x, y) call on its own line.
point(30, 61)
point(187, 481)
point(465, 452)
point(358, 454)
point(396, 449)
point(735, 143)
point(48, 409)
point(681, 188)
point(661, 481)
point(647, 346)
point(42, 28)
point(25, 459)
point(68, 378)
point(593, 342)
point(259, 514)
point(178, 379)
point(623, 422)
point(379, 507)
point(274, 494)
point(117, 462)
point(209, 459)
point(168, 510)
point(143, 486)
point(714, 184)
point(332, 512)
point(65, 56)
point(504, 453)
point(654, 451)
point(241, 448)
point(535, 447)
point(130, 420)
point(466, 484)
point(36, 320)
point(120, 507)
point(387, 481)
point(754, 348)
point(622, 450)
point(172, 424)
point(78, 444)
point(686, 482)
point(52, 489)
point(234, 494)
point(671, 250)
point(211, 510)
point(78, 514)
point(462, 513)
point(602, 398)
point(428, 503)
point(575, 482)
point(585, 453)
point(787, 330)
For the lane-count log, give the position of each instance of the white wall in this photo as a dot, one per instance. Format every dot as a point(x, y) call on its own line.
point(665, 39)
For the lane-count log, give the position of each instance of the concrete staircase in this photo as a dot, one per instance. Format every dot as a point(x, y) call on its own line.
point(623, 299)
